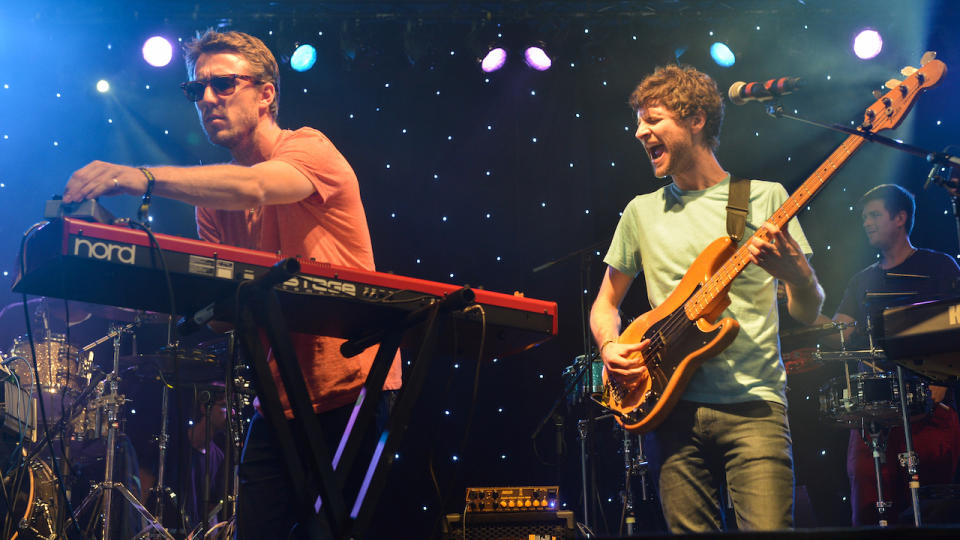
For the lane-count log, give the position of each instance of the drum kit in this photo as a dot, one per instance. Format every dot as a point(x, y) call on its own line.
point(871, 396)
point(63, 412)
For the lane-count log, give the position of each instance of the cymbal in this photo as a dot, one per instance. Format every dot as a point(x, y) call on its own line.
point(812, 336)
point(801, 360)
point(860, 355)
point(830, 328)
point(190, 366)
point(53, 307)
point(118, 314)
point(82, 311)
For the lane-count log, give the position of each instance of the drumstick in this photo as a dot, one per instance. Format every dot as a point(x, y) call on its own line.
point(846, 370)
point(872, 365)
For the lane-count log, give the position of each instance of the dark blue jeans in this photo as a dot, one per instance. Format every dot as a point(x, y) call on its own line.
point(266, 505)
point(744, 446)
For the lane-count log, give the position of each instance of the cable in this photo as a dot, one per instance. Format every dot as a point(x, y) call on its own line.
point(8, 502)
point(183, 456)
point(36, 373)
point(443, 495)
point(21, 426)
point(155, 248)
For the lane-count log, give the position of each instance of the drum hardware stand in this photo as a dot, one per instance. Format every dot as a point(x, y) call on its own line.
point(878, 448)
point(635, 465)
point(234, 435)
point(114, 400)
point(160, 491)
point(583, 431)
point(628, 472)
point(584, 427)
point(204, 502)
point(909, 458)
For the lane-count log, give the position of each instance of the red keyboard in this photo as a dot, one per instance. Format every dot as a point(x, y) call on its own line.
point(116, 266)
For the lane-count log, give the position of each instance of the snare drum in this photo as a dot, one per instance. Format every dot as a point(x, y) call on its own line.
point(88, 429)
point(34, 502)
point(872, 397)
point(90, 423)
point(56, 362)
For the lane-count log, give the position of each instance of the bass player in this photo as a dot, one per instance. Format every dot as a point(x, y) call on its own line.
point(729, 430)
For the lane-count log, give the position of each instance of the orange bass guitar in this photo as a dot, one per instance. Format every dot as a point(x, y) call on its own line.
point(684, 330)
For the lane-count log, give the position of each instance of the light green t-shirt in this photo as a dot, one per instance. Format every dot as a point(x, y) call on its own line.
point(661, 233)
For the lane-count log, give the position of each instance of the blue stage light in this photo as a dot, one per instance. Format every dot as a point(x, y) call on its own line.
point(303, 58)
point(722, 54)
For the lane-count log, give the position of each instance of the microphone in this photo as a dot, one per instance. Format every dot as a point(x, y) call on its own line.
point(189, 325)
point(934, 176)
point(741, 92)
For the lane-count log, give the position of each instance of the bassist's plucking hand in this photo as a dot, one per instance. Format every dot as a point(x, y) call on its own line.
point(616, 358)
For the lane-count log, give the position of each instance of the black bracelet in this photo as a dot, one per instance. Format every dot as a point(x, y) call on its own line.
point(151, 180)
point(147, 195)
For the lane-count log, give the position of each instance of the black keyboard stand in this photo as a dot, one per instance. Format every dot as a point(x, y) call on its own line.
point(312, 469)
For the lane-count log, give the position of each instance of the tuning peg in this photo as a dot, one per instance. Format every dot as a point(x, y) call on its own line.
point(877, 94)
point(893, 84)
point(908, 71)
point(927, 57)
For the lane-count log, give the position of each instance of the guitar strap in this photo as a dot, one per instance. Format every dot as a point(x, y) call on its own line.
point(738, 204)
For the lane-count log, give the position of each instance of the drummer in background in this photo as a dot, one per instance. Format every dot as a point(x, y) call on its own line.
point(920, 274)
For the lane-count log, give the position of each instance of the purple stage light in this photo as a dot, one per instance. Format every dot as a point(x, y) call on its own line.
point(537, 58)
point(157, 51)
point(867, 44)
point(494, 60)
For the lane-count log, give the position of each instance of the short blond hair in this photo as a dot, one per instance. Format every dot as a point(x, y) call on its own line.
point(686, 92)
point(264, 65)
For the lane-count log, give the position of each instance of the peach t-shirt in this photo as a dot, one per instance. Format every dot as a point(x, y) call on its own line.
point(328, 226)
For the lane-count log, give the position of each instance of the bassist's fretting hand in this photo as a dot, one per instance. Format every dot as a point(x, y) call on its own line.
point(782, 257)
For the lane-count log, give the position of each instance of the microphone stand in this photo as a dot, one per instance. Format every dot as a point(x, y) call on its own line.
point(941, 158)
point(583, 367)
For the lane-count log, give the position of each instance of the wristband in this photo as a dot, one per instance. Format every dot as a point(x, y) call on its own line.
point(605, 343)
point(144, 210)
point(151, 180)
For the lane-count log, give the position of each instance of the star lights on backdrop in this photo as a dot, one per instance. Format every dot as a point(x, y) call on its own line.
point(305, 58)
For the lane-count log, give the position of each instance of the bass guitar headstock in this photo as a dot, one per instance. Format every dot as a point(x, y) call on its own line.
point(890, 109)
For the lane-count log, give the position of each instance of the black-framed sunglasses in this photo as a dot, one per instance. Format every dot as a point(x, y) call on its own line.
point(223, 85)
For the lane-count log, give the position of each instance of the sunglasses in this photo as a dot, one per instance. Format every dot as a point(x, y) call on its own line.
point(222, 85)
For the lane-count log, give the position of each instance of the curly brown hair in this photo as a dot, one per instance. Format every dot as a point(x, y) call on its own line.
point(253, 50)
point(686, 91)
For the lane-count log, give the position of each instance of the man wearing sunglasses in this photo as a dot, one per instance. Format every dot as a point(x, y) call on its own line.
point(285, 191)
